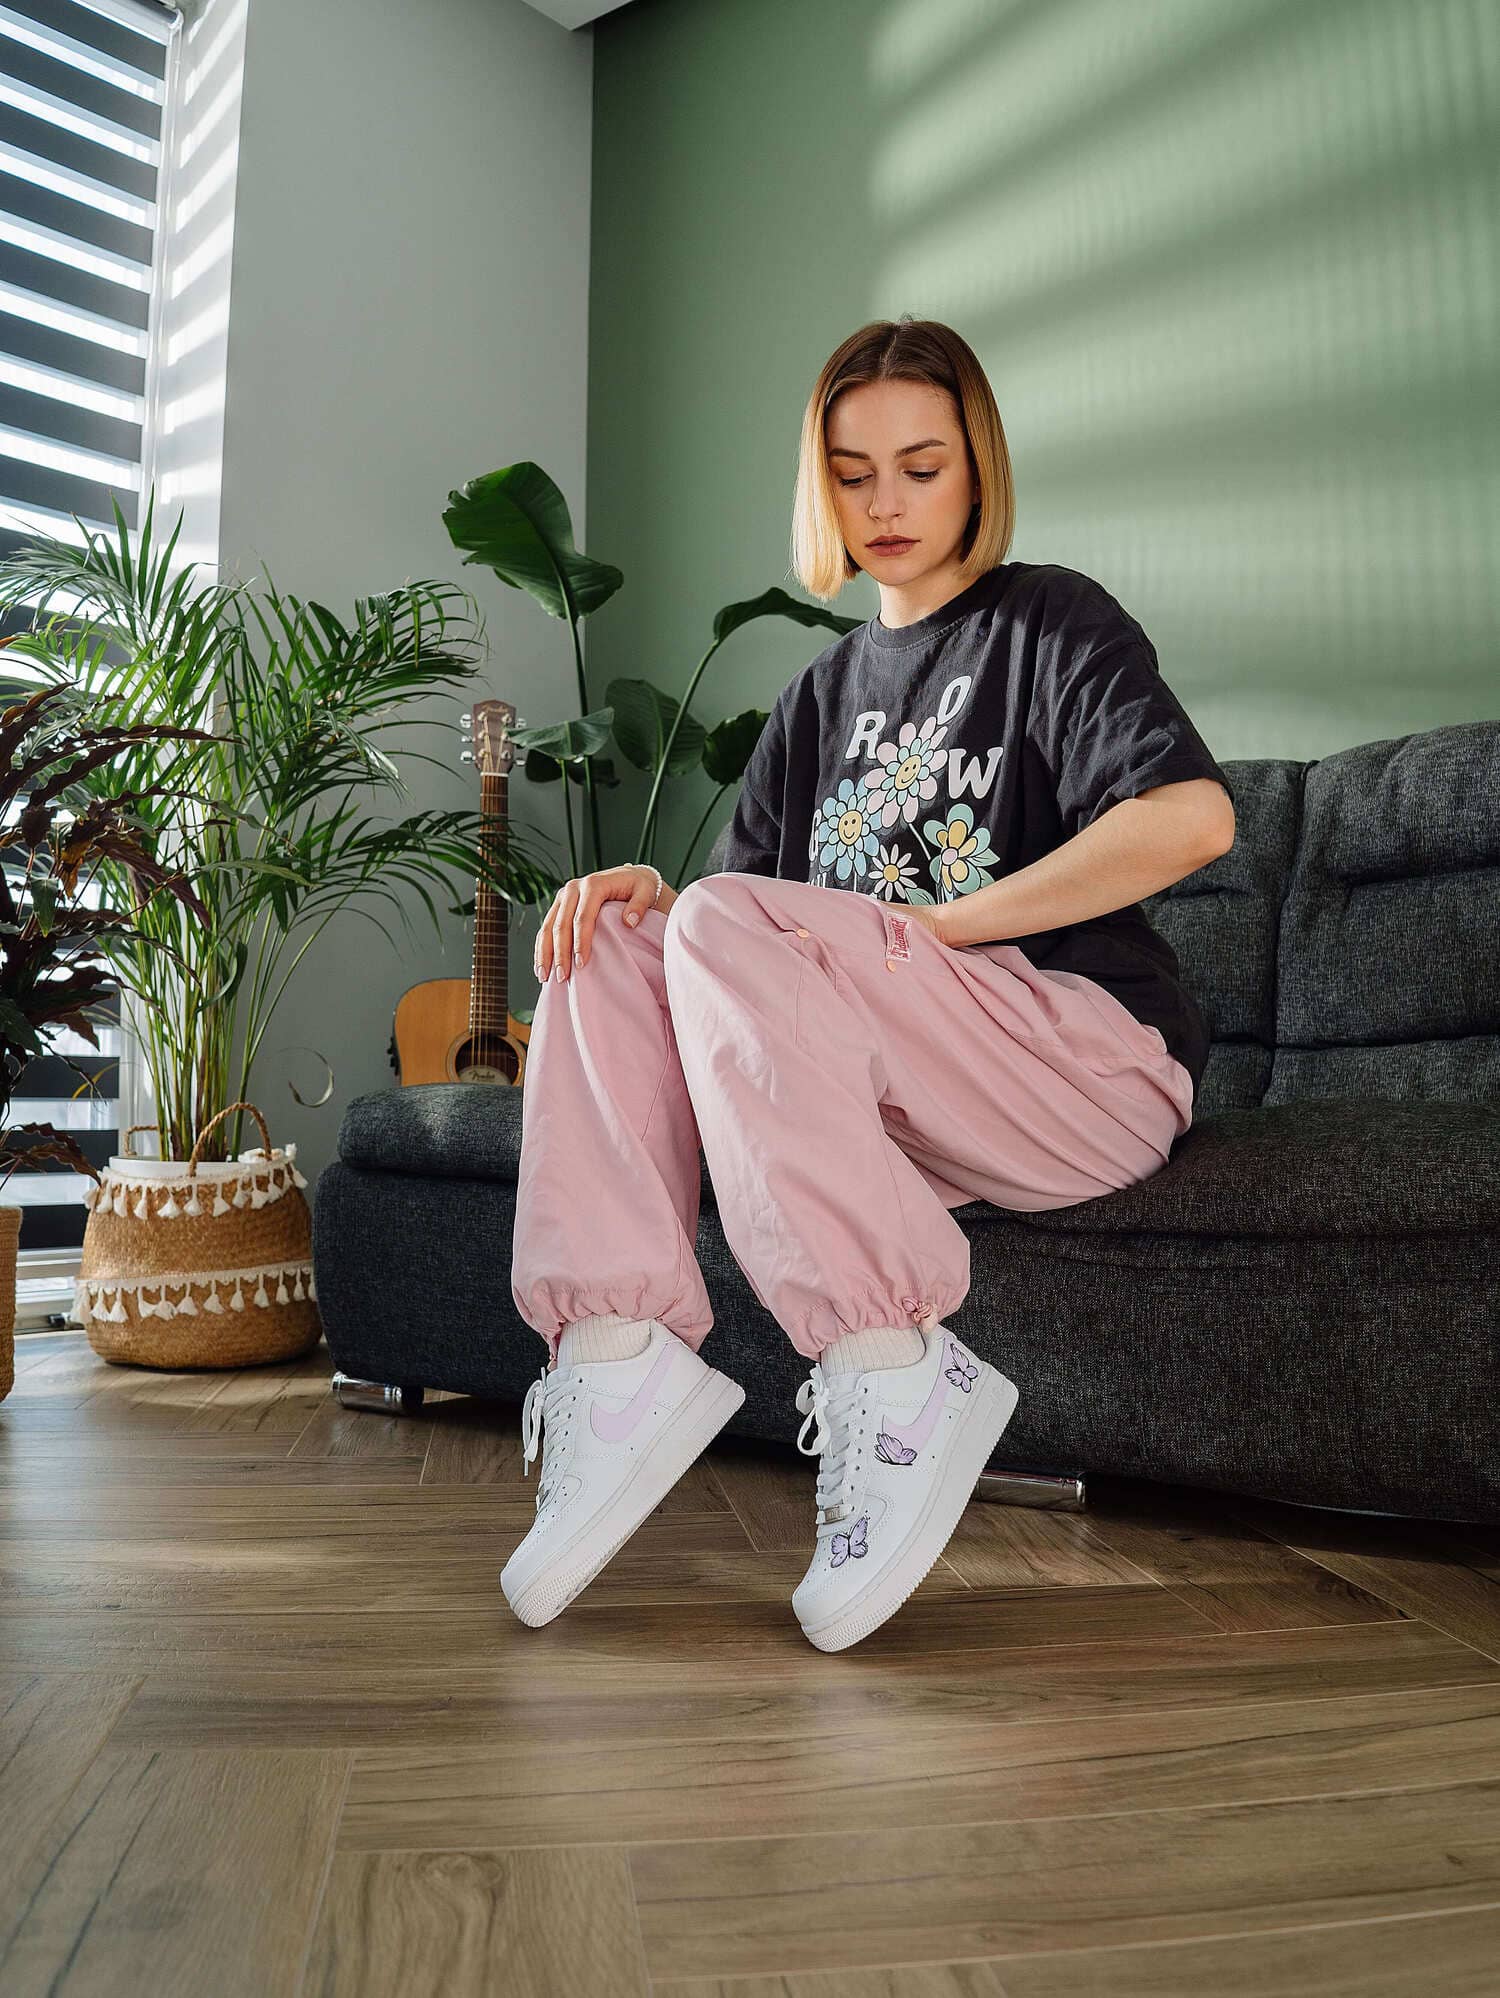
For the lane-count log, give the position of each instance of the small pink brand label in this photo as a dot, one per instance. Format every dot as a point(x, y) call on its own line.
point(897, 942)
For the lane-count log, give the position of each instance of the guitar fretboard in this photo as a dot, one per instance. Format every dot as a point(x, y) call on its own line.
point(489, 997)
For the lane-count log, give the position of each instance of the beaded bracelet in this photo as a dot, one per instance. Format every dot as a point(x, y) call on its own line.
point(651, 870)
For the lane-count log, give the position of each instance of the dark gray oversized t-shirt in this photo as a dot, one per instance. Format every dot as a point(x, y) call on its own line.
point(921, 764)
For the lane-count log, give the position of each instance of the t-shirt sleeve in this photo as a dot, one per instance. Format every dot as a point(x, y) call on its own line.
point(751, 842)
point(1117, 729)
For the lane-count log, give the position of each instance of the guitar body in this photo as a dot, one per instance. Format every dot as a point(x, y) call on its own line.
point(462, 1029)
point(435, 1040)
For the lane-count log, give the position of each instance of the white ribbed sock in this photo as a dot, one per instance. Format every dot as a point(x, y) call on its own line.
point(607, 1335)
point(875, 1346)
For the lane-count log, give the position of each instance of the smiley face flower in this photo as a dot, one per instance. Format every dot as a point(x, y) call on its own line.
point(907, 777)
point(844, 832)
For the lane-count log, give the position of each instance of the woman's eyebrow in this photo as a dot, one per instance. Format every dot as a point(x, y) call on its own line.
point(840, 451)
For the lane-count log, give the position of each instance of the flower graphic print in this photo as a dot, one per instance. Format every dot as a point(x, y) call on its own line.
point(953, 854)
point(844, 835)
point(907, 777)
point(895, 876)
point(963, 851)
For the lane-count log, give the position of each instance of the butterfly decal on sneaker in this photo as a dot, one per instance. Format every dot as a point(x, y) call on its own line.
point(889, 1451)
point(963, 1373)
point(853, 1542)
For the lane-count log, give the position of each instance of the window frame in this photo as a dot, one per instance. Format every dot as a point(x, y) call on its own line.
point(45, 1276)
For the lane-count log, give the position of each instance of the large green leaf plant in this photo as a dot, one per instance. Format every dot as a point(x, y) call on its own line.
point(516, 522)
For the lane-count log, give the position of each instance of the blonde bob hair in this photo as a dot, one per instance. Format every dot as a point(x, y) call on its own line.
point(907, 350)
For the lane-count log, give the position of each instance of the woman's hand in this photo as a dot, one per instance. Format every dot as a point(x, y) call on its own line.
point(568, 927)
point(928, 914)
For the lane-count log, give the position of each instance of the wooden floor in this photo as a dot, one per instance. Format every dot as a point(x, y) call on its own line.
point(268, 1726)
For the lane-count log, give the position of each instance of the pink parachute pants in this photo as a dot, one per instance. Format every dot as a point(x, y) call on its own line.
point(849, 1079)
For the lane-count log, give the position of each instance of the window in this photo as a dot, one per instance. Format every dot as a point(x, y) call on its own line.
point(85, 94)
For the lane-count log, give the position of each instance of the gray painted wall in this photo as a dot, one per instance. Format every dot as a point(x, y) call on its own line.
point(408, 309)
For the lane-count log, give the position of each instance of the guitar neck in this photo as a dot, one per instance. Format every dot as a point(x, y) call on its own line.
point(489, 986)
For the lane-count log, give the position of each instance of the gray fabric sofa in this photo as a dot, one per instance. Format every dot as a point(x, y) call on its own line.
point(1302, 1304)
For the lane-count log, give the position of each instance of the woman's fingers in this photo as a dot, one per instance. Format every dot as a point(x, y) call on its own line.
point(566, 934)
point(562, 932)
point(572, 927)
point(584, 918)
point(556, 926)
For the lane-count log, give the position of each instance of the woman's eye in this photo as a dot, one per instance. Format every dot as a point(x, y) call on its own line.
point(860, 482)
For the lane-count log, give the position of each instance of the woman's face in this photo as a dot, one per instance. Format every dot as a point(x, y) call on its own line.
point(883, 487)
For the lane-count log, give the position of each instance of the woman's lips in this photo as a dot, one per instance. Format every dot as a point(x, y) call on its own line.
point(890, 547)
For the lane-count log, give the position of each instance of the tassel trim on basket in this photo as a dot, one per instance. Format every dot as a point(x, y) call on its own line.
point(256, 1186)
point(293, 1281)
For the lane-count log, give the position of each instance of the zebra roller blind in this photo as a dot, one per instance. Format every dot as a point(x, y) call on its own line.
point(84, 92)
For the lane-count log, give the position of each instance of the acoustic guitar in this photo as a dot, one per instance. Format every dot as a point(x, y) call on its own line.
point(462, 1029)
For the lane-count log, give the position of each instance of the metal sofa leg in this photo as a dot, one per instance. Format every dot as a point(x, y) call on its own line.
point(1056, 1494)
point(379, 1395)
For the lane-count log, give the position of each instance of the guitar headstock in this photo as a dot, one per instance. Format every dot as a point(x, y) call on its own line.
point(490, 724)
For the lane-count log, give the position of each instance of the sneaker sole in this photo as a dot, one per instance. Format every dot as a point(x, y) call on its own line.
point(969, 1452)
point(573, 1566)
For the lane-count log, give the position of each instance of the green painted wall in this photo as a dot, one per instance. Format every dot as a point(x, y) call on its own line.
point(1234, 271)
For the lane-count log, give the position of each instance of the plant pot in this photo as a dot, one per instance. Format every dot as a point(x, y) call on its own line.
point(199, 1265)
point(10, 1239)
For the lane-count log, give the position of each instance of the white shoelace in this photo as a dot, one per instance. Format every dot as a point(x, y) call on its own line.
point(828, 1406)
point(543, 1403)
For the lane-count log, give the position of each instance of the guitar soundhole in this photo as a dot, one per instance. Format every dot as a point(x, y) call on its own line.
point(485, 1059)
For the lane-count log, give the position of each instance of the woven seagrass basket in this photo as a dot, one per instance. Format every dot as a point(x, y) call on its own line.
point(10, 1239)
point(202, 1265)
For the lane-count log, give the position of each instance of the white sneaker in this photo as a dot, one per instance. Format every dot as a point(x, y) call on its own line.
point(902, 1448)
point(619, 1434)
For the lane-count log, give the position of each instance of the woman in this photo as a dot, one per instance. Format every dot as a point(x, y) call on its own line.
point(923, 978)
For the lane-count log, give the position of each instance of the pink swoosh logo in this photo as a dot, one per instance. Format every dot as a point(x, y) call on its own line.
point(918, 1432)
point(614, 1425)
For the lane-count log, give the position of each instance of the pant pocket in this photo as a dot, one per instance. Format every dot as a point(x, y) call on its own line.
point(1128, 1039)
point(1073, 1014)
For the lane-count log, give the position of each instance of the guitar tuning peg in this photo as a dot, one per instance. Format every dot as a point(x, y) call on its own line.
point(466, 756)
point(466, 723)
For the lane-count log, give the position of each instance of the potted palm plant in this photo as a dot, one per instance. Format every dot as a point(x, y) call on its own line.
point(54, 838)
point(262, 804)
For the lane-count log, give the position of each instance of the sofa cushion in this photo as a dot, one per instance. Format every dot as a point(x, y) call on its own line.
point(1344, 945)
point(1324, 1167)
point(453, 1130)
point(1221, 921)
point(1389, 979)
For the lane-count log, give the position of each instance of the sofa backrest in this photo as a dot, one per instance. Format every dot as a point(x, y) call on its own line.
point(1348, 944)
